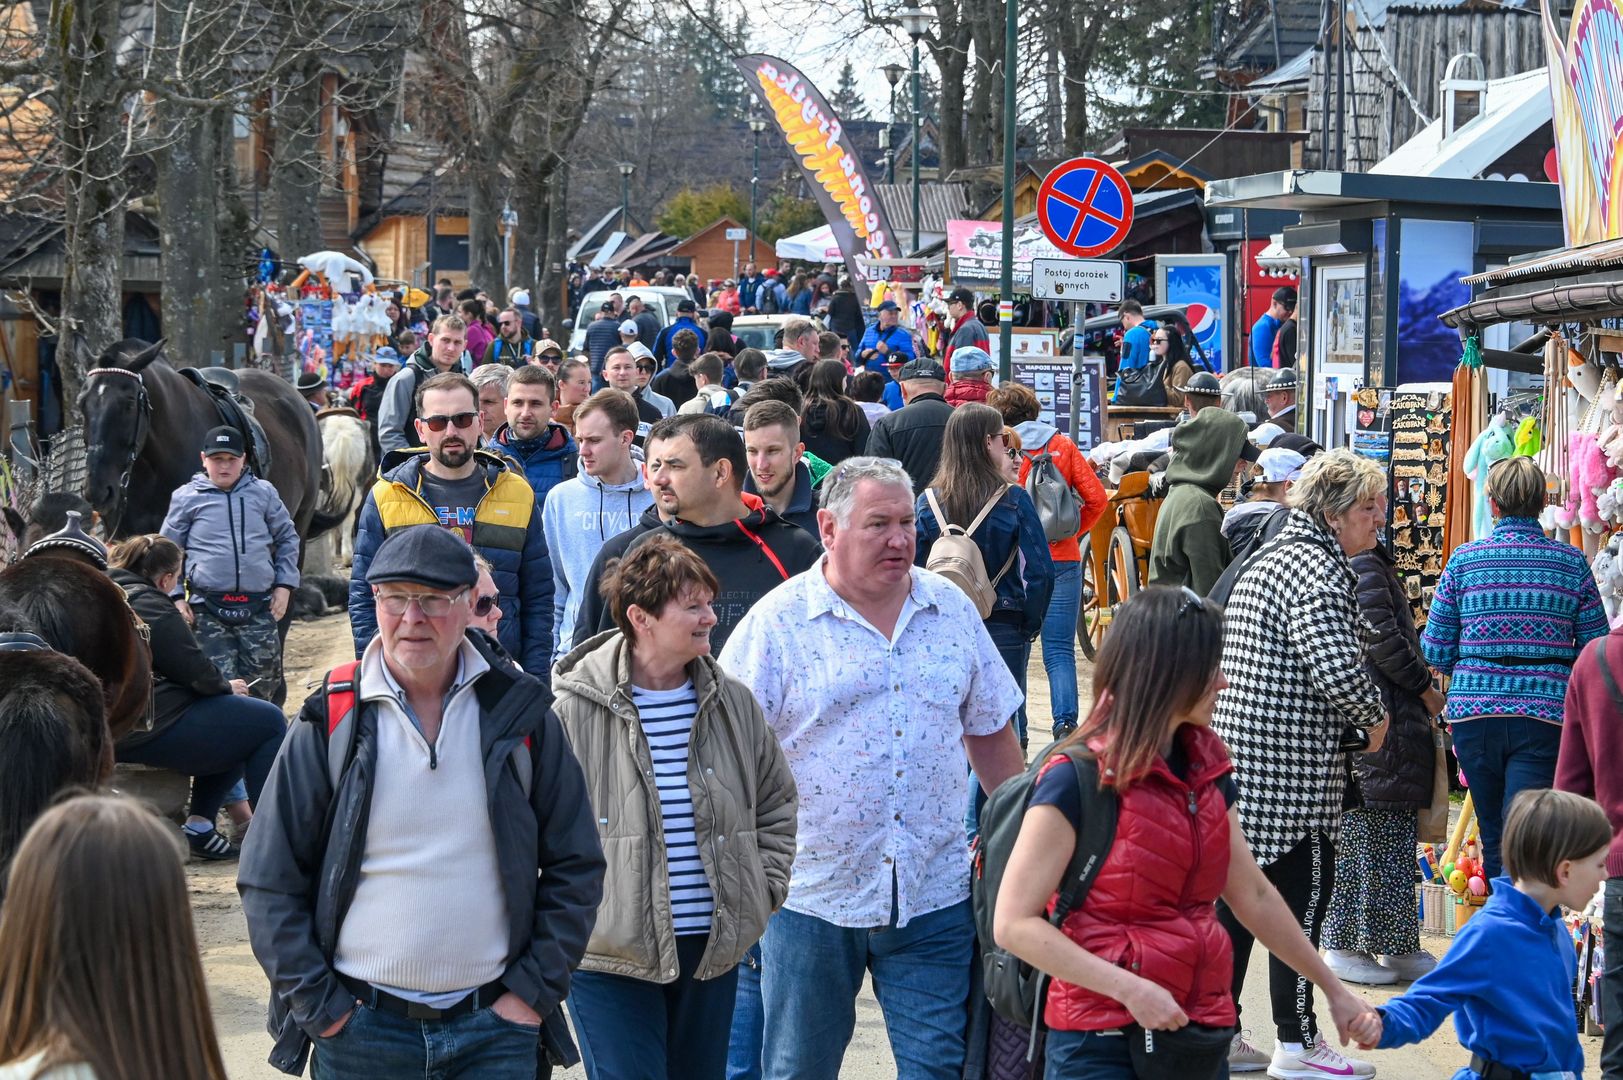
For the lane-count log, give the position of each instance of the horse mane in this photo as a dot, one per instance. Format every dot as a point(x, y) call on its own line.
point(53, 735)
point(346, 445)
point(1242, 391)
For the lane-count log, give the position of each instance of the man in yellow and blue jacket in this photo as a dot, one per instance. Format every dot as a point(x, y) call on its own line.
point(474, 493)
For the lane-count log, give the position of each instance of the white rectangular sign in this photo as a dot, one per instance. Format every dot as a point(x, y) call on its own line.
point(738, 234)
point(1101, 281)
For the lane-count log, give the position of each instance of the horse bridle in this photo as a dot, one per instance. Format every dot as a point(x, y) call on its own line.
point(143, 424)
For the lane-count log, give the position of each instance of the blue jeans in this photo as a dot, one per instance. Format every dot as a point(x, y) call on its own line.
point(1059, 642)
point(217, 741)
point(812, 971)
point(1087, 1055)
point(749, 1021)
point(479, 1046)
point(1503, 755)
point(633, 1029)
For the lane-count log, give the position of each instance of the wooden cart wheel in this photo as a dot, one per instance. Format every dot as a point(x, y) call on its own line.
point(1091, 614)
point(1123, 569)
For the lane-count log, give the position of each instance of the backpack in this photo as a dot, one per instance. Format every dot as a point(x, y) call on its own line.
point(1223, 588)
point(956, 556)
point(766, 297)
point(1055, 499)
point(1015, 990)
point(340, 691)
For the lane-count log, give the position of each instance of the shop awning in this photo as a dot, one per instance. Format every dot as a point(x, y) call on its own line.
point(1560, 303)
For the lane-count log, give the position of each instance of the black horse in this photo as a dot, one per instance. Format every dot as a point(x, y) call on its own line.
point(144, 426)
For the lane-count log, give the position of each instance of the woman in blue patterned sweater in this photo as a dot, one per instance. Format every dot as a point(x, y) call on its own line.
point(1511, 614)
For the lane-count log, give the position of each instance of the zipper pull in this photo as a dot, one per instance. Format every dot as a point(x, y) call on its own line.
point(433, 755)
point(1192, 801)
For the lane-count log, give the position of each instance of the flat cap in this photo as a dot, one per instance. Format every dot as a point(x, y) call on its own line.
point(424, 554)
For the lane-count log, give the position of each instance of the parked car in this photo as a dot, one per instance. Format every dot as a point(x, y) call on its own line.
point(660, 299)
point(764, 332)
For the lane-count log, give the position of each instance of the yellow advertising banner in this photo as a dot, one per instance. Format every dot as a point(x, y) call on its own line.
point(1586, 91)
point(827, 156)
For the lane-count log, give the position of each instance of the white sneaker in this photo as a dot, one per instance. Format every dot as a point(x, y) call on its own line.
point(1409, 966)
point(1316, 1063)
point(1243, 1057)
point(1357, 967)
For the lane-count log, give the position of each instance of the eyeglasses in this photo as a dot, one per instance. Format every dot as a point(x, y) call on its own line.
point(458, 420)
point(432, 605)
point(483, 605)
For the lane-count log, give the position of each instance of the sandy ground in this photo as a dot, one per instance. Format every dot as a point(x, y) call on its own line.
point(237, 987)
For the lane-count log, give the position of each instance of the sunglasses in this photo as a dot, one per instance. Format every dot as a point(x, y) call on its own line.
point(457, 420)
point(484, 604)
point(432, 605)
point(1158, 341)
point(1014, 454)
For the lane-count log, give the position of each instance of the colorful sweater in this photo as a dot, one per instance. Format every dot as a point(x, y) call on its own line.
point(1511, 613)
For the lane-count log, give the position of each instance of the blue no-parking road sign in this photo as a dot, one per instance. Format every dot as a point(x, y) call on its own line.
point(1085, 207)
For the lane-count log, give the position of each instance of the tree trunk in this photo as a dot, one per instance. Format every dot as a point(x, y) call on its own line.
point(296, 163)
point(187, 233)
point(551, 299)
point(484, 236)
point(238, 255)
point(91, 156)
point(951, 55)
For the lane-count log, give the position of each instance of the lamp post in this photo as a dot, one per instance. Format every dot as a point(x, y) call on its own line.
point(893, 74)
point(757, 125)
point(1005, 308)
point(915, 23)
point(626, 169)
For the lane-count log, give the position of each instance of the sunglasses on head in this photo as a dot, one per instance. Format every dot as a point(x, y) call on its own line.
point(458, 420)
point(483, 605)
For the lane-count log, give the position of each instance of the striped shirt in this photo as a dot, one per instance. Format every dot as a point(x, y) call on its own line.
point(667, 723)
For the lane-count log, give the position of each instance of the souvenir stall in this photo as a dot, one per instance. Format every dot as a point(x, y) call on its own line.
point(328, 320)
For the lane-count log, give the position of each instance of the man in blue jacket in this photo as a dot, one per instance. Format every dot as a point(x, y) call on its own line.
point(752, 280)
point(685, 320)
point(543, 450)
point(885, 339)
point(474, 493)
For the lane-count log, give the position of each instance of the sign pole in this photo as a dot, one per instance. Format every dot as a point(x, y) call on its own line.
point(1005, 308)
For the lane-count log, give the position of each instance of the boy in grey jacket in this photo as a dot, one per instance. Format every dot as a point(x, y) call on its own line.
point(242, 563)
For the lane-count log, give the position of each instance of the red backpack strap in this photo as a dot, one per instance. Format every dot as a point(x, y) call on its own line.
point(342, 684)
point(773, 558)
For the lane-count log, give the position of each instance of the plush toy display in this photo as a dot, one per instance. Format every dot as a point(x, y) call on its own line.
point(1608, 571)
point(1589, 474)
point(1529, 437)
point(1491, 447)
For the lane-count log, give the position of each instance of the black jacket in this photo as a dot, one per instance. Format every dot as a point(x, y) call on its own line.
point(1398, 776)
point(181, 672)
point(302, 859)
point(913, 436)
point(845, 316)
point(677, 383)
point(820, 431)
point(733, 552)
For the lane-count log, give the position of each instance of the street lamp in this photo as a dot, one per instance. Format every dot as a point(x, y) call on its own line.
point(757, 125)
point(626, 169)
point(893, 74)
point(915, 22)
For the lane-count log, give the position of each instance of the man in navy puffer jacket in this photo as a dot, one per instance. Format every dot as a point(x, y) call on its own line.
point(542, 449)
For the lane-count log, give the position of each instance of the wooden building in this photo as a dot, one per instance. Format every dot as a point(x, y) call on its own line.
point(711, 255)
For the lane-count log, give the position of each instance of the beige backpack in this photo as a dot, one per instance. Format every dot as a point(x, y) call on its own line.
point(956, 557)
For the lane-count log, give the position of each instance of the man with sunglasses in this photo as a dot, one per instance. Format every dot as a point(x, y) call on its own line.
point(512, 344)
point(478, 495)
point(425, 869)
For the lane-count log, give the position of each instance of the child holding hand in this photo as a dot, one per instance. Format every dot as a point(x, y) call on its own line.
point(1509, 975)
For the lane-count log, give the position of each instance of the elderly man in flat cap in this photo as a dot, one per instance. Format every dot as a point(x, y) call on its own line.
point(405, 932)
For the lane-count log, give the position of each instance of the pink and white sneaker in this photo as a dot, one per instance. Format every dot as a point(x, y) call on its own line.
point(1316, 1063)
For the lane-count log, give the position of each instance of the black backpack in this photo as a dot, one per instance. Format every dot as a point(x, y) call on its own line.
point(1015, 989)
point(1261, 544)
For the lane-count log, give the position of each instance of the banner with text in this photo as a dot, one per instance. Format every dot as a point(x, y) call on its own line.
point(975, 252)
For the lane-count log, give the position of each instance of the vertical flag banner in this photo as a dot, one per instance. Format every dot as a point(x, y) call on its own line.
point(1586, 95)
point(828, 158)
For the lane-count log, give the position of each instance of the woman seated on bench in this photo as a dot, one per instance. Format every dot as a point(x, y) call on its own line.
point(202, 725)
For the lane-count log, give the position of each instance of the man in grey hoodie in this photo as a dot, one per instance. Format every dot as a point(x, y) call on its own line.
point(242, 563)
point(605, 498)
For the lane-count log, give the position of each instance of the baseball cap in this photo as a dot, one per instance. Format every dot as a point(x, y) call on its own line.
point(686, 306)
point(628, 329)
point(1285, 295)
point(922, 368)
point(385, 355)
point(607, 305)
point(888, 305)
point(968, 359)
point(1279, 465)
point(1265, 434)
point(223, 440)
point(962, 296)
point(522, 298)
point(424, 554)
point(546, 345)
point(639, 351)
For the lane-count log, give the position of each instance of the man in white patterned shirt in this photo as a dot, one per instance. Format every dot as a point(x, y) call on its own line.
point(887, 680)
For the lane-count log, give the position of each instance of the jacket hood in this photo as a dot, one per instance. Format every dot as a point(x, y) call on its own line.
point(728, 532)
point(200, 481)
point(784, 359)
point(405, 464)
point(635, 484)
point(1034, 434)
point(599, 668)
point(1207, 449)
point(556, 440)
point(1247, 515)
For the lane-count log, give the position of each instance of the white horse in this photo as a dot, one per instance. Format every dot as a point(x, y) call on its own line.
point(346, 474)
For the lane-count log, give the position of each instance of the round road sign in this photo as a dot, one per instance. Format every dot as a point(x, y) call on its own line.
point(1085, 207)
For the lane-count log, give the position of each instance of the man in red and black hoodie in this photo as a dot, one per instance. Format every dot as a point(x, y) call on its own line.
point(366, 396)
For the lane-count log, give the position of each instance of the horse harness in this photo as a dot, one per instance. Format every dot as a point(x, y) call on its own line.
point(143, 424)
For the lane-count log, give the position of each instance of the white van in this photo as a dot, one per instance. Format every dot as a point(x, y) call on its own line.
point(660, 299)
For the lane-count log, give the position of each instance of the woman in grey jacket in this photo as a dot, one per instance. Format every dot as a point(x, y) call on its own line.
point(695, 808)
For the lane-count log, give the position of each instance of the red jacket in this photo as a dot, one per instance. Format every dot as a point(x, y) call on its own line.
point(1073, 465)
point(1592, 738)
point(1151, 907)
point(962, 390)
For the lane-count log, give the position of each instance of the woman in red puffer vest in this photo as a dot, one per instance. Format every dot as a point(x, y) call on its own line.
point(1144, 950)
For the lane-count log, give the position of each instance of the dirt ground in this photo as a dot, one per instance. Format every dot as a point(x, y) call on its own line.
point(237, 987)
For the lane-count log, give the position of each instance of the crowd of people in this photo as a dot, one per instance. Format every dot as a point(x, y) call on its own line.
point(731, 652)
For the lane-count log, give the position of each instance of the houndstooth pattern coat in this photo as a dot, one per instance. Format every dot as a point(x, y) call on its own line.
point(1293, 652)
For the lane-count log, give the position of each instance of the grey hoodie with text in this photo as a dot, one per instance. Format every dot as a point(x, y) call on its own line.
point(239, 541)
point(579, 515)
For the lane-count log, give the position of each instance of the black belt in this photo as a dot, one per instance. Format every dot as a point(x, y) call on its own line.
point(1521, 661)
point(482, 998)
point(1492, 1070)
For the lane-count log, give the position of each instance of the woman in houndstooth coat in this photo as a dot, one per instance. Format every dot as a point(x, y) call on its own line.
point(1293, 652)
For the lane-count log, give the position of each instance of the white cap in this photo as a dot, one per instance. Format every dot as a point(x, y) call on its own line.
point(1264, 434)
point(522, 298)
point(1280, 465)
point(628, 329)
point(639, 351)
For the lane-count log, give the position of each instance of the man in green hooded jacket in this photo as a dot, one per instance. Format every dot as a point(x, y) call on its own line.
point(1189, 548)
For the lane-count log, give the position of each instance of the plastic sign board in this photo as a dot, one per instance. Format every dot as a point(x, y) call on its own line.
point(1085, 207)
point(738, 234)
point(1099, 281)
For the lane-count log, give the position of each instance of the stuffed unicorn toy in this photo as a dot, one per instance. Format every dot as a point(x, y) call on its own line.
point(1494, 445)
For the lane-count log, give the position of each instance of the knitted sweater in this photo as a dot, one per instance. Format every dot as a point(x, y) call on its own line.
point(1511, 613)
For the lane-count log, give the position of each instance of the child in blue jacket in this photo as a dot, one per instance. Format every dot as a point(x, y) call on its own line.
point(1509, 975)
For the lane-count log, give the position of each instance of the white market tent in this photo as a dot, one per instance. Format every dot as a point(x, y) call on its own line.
point(815, 246)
